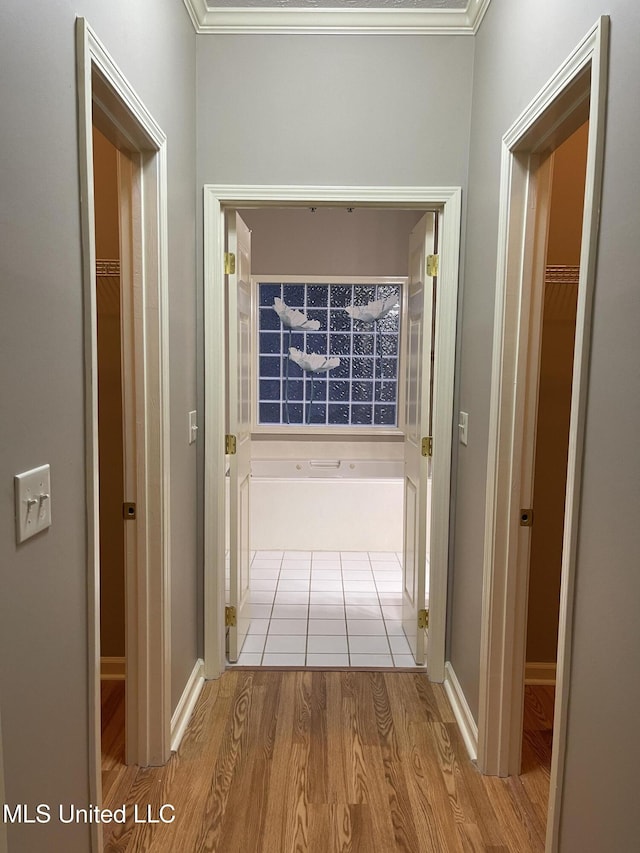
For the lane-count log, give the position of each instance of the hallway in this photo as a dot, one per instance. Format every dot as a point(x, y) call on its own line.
point(326, 762)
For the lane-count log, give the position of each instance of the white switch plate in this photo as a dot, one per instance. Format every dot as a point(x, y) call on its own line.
point(193, 427)
point(33, 502)
point(463, 428)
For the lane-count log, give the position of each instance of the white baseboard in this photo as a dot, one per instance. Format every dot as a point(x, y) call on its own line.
point(461, 711)
point(184, 709)
point(540, 673)
point(112, 669)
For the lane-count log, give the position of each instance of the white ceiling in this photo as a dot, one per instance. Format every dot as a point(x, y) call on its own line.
point(386, 17)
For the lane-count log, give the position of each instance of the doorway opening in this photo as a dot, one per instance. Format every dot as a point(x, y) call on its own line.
point(107, 103)
point(218, 202)
point(574, 96)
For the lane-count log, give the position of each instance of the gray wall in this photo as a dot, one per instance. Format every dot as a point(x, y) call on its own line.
point(43, 585)
point(518, 48)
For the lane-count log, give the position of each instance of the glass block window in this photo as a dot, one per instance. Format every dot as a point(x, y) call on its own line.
point(344, 341)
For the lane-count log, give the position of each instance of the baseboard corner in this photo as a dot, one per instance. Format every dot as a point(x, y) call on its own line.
point(184, 709)
point(540, 673)
point(112, 668)
point(461, 711)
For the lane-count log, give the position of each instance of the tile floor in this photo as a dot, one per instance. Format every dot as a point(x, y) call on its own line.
point(326, 608)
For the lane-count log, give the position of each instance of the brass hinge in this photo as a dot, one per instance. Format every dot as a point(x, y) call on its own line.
point(229, 263)
point(230, 444)
point(433, 265)
point(423, 618)
point(427, 446)
point(229, 616)
point(526, 518)
point(128, 511)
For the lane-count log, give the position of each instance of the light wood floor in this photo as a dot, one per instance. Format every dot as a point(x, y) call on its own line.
point(297, 761)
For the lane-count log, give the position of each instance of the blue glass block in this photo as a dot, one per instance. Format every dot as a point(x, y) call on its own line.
point(340, 295)
point(363, 344)
point(269, 342)
point(294, 389)
point(295, 412)
point(385, 415)
point(388, 345)
point(269, 413)
point(338, 391)
point(270, 365)
point(294, 295)
point(338, 414)
point(319, 314)
point(317, 295)
point(318, 413)
point(317, 342)
point(361, 415)
point(362, 392)
point(362, 368)
point(389, 368)
point(269, 320)
point(295, 371)
point(296, 340)
point(387, 392)
point(339, 321)
point(385, 290)
point(390, 323)
point(342, 371)
point(364, 293)
point(269, 389)
point(319, 389)
point(268, 293)
point(339, 344)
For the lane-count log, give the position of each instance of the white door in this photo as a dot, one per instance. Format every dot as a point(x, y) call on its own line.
point(417, 418)
point(239, 428)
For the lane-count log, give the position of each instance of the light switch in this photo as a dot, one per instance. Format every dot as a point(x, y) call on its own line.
point(193, 427)
point(33, 502)
point(463, 428)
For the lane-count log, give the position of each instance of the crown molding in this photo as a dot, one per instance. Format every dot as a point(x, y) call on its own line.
point(287, 21)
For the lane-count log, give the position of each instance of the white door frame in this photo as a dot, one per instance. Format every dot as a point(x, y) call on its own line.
point(217, 198)
point(575, 93)
point(106, 99)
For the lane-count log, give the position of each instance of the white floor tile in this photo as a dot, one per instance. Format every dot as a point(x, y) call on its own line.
point(269, 583)
point(270, 659)
point(288, 626)
point(389, 586)
point(325, 611)
point(289, 611)
point(297, 597)
point(268, 555)
point(293, 585)
point(262, 596)
point(334, 627)
point(371, 660)
point(393, 598)
point(370, 627)
point(353, 555)
point(351, 575)
point(335, 645)
point(284, 643)
point(327, 659)
point(386, 567)
point(387, 576)
point(368, 646)
point(297, 555)
point(249, 659)
point(399, 645)
point(326, 555)
point(331, 585)
point(391, 611)
point(363, 611)
point(394, 627)
point(359, 586)
point(382, 556)
point(258, 626)
point(361, 598)
point(295, 574)
point(325, 596)
point(292, 565)
point(404, 660)
point(260, 611)
point(356, 565)
point(322, 574)
point(254, 643)
point(264, 574)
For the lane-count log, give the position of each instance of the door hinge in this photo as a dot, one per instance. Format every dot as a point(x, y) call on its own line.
point(229, 263)
point(526, 517)
point(128, 511)
point(423, 618)
point(229, 617)
point(230, 444)
point(433, 265)
point(427, 446)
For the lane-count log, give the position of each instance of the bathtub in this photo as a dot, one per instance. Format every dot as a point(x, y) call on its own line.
point(326, 504)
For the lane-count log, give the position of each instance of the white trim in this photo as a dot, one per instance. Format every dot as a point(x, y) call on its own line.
point(186, 704)
point(112, 669)
point(106, 98)
point(461, 711)
point(216, 199)
point(571, 96)
point(337, 21)
point(540, 673)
